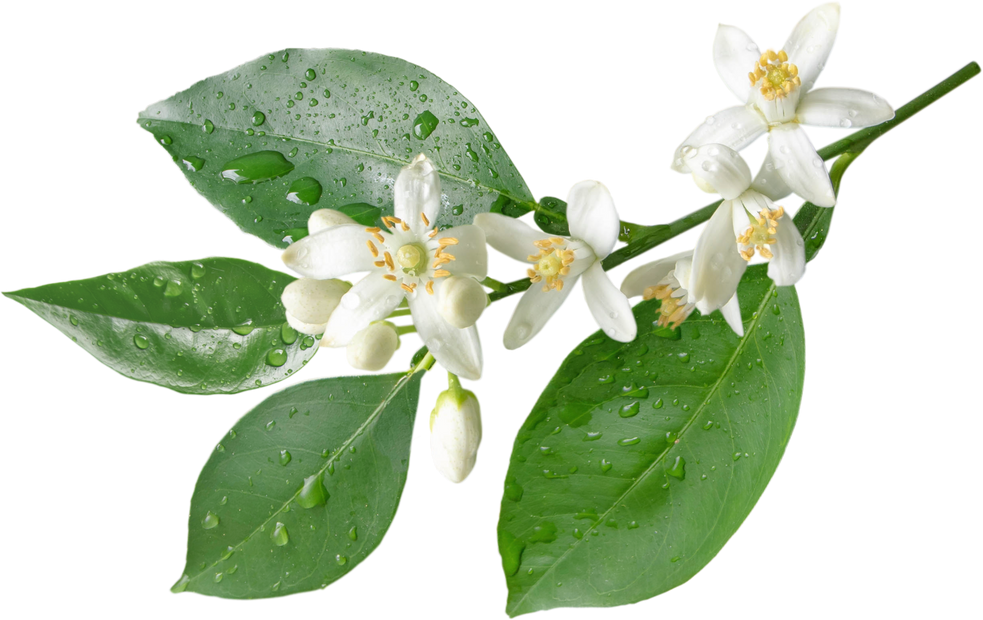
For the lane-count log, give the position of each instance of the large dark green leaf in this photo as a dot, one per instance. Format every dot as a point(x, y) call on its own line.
point(302, 489)
point(640, 460)
point(214, 326)
point(276, 138)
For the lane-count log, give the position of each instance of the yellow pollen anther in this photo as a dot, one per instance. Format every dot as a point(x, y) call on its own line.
point(441, 273)
point(672, 310)
point(408, 287)
point(423, 216)
point(444, 241)
point(776, 76)
point(390, 277)
point(379, 263)
point(372, 248)
point(430, 287)
point(759, 234)
point(389, 261)
point(551, 264)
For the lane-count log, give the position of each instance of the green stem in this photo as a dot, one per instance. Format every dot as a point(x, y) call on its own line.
point(424, 364)
point(400, 312)
point(644, 238)
point(494, 285)
point(405, 329)
point(453, 382)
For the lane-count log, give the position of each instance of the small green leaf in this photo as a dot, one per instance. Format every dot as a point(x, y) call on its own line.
point(641, 459)
point(551, 216)
point(271, 529)
point(202, 327)
point(267, 144)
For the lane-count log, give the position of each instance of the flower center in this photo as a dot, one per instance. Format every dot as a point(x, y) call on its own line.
point(673, 310)
point(760, 234)
point(409, 267)
point(411, 258)
point(775, 75)
point(551, 264)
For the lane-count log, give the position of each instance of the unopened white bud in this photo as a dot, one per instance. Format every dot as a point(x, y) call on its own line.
point(461, 301)
point(455, 432)
point(373, 347)
point(309, 303)
point(327, 218)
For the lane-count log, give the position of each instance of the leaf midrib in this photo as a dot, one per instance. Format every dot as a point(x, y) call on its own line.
point(396, 389)
point(659, 459)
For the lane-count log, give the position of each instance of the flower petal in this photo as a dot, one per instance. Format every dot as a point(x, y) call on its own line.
point(311, 329)
point(717, 264)
point(732, 314)
point(592, 216)
point(735, 55)
point(650, 274)
point(535, 308)
point(470, 252)
point(372, 299)
point(609, 305)
point(789, 262)
point(799, 165)
point(509, 235)
point(811, 40)
point(323, 219)
point(722, 168)
point(457, 350)
point(734, 127)
point(769, 182)
point(312, 301)
point(843, 107)
point(416, 192)
point(331, 253)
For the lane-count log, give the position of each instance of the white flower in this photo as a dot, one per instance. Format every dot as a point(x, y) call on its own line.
point(455, 432)
point(746, 221)
point(558, 262)
point(408, 261)
point(373, 347)
point(776, 91)
point(669, 280)
point(309, 303)
point(461, 301)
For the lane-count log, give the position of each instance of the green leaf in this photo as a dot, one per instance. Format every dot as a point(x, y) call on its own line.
point(640, 460)
point(288, 133)
point(302, 489)
point(551, 216)
point(214, 326)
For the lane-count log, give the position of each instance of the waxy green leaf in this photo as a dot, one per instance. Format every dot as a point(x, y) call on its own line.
point(302, 488)
point(302, 129)
point(640, 460)
point(214, 326)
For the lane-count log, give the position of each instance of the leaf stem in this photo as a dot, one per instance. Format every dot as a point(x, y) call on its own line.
point(405, 329)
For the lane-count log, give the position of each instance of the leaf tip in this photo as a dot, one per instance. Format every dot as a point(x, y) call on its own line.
point(181, 584)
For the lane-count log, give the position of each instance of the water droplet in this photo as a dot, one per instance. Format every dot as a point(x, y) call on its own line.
point(340, 559)
point(353, 533)
point(210, 520)
point(424, 125)
point(73, 320)
point(313, 493)
point(675, 559)
point(304, 191)
point(606, 465)
point(284, 457)
point(279, 534)
point(244, 329)
point(630, 410)
point(141, 341)
point(173, 288)
point(737, 456)
point(258, 118)
point(166, 140)
point(710, 120)
point(628, 441)
point(414, 85)
point(657, 404)
point(592, 435)
point(256, 167)
point(270, 425)
point(513, 490)
point(310, 74)
point(193, 163)
point(276, 358)
point(197, 271)
point(350, 300)
point(678, 469)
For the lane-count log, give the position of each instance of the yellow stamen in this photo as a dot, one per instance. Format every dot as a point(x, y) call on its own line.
point(390, 277)
point(430, 287)
point(441, 273)
point(407, 287)
point(423, 216)
point(379, 263)
point(776, 76)
point(389, 261)
point(372, 248)
point(758, 235)
point(444, 241)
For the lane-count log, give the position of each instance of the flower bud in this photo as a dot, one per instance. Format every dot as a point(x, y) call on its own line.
point(373, 347)
point(461, 301)
point(455, 432)
point(327, 218)
point(309, 303)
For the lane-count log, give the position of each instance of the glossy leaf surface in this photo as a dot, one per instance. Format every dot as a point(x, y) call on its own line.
point(640, 460)
point(302, 488)
point(302, 129)
point(202, 327)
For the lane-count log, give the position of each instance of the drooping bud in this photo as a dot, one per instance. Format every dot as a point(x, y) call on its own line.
point(455, 432)
point(309, 303)
point(461, 301)
point(327, 218)
point(373, 347)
